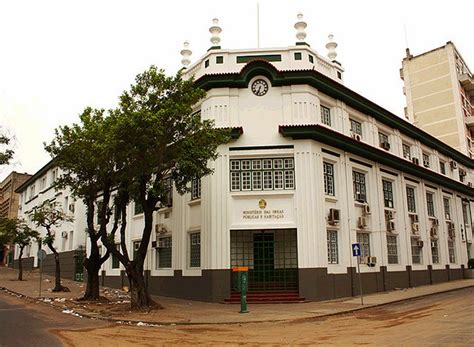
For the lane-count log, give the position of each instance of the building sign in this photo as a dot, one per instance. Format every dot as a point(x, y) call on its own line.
point(258, 212)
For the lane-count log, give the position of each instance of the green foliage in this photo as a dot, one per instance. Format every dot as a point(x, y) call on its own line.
point(7, 154)
point(49, 215)
point(17, 232)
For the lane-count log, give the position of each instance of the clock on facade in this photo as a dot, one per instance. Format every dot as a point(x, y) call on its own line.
point(260, 87)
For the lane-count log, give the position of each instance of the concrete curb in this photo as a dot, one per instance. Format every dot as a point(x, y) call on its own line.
point(177, 323)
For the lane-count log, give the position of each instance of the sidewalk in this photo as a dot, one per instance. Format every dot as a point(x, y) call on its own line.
point(178, 311)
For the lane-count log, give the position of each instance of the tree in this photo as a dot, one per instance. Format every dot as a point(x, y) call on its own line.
point(49, 216)
point(83, 154)
point(17, 232)
point(155, 136)
point(7, 154)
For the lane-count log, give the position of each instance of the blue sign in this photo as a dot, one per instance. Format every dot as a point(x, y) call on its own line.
point(355, 250)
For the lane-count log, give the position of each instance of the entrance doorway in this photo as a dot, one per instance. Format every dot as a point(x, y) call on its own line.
point(270, 255)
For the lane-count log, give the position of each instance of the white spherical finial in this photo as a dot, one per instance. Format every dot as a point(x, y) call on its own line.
point(215, 30)
point(331, 46)
point(186, 53)
point(300, 27)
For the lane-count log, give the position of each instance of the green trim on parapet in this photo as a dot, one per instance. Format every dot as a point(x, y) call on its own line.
point(266, 57)
point(334, 89)
point(348, 144)
point(302, 44)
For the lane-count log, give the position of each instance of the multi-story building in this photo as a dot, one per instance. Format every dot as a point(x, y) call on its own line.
point(313, 168)
point(9, 202)
point(439, 89)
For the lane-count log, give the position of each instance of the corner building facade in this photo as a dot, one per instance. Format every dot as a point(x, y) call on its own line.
point(312, 168)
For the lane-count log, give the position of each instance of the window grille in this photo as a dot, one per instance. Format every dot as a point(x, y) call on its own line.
point(360, 193)
point(325, 115)
point(392, 249)
point(195, 250)
point(333, 256)
point(411, 202)
point(328, 173)
point(387, 194)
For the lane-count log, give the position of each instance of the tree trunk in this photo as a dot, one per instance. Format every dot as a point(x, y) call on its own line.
point(92, 265)
point(139, 295)
point(57, 286)
point(20, 265)
point(92, 287)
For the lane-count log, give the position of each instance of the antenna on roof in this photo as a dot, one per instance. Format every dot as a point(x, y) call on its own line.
point(258, 25)
point(407, 49)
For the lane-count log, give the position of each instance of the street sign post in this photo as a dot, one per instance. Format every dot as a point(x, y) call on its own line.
point(41, 256)
point(356, 253)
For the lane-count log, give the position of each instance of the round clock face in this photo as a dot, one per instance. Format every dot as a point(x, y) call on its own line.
point(260, 87)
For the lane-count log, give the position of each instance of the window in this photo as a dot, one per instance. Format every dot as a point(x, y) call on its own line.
point(195, 250)
point(43, 183)
point(406, 151)
point(392, 249)
point(219, 59)
point(136, 246)
point(164, 252)
point(426, 160)
point(442, 167)
point(451, 251)
point(447, 209)
point(32, 191)
point(325, 115)
point(328, 172)
point(138, 208)
point(167, 199)
point(54, 175)
point(100, 205)
point(333, 257)
point(415, 251)
point(206, 63)
point(311, 58)
point(411, 202)
point(383, 140)
point(339, 74)
point(430, 204)
point(356, 127)
point(364, 242)
point(358, 180)
point(115, 260)
point(434, 251)
point(298, 56)
point(387, 193)
point(262, 174)
point(195, 188)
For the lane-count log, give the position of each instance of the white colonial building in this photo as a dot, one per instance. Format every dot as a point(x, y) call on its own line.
point(313, 167)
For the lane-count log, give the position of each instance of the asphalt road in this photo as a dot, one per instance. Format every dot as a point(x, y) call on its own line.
point(24, 323)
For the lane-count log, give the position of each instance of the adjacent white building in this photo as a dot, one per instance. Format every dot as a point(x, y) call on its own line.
point(313, 168)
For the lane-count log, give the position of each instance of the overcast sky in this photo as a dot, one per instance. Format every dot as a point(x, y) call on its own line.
point(56, 57)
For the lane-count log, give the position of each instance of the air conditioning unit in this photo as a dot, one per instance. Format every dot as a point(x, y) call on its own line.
point(415, 161)
point(450, 226)
point(389, 215)
point(451, 233)
point(415, 228)
point(371, 261)
point(447, 216)
point(362, 222)
point(453, 164)
point(64, 234)
point(462, 172)
point(160, 229)
point(355, 136)
point(366, 210)
point(419, 244)
point(71, 207)
point(435, 222)
point(433, 233)
point(153, 244)
point(385, 145)
point(414, 218)
point(334, 215)
point(390, 225)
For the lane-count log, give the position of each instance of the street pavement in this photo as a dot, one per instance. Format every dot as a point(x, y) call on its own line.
point(25, 323)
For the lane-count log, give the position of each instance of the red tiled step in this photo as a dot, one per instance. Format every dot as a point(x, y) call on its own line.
point(269, 297)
